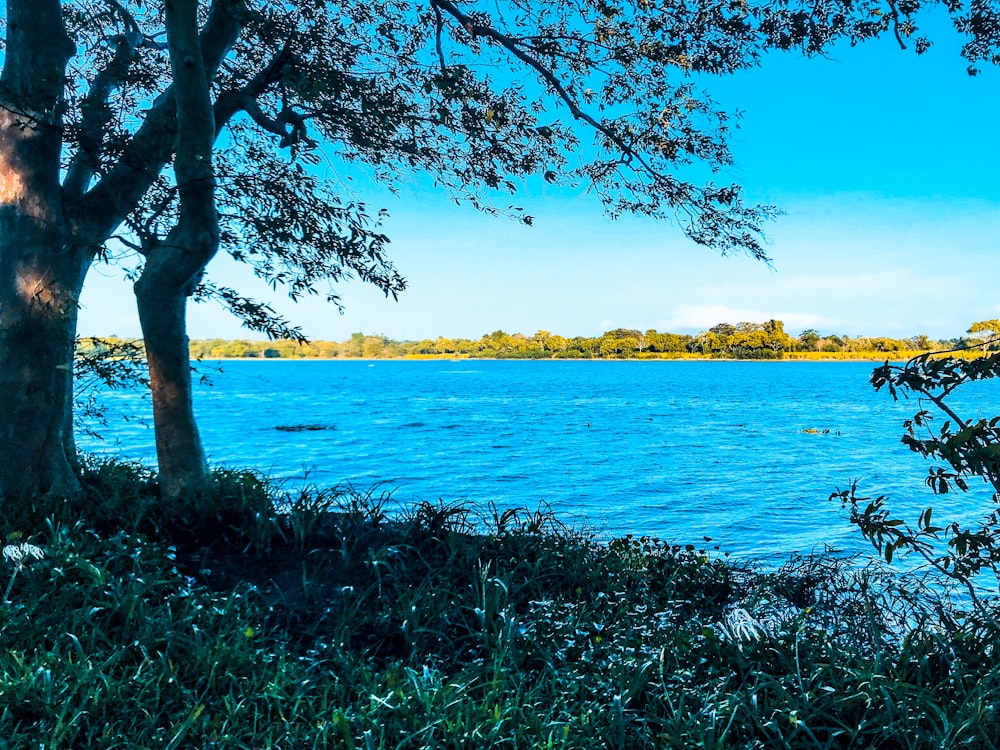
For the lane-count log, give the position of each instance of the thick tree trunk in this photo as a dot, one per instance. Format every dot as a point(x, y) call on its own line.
point(179, 452)
point(41, 270)
point(38, 313)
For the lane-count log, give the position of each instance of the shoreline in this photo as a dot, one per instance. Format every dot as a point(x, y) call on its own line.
point(429, 358)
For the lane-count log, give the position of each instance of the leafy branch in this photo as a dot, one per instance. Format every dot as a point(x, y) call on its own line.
point(964, 448)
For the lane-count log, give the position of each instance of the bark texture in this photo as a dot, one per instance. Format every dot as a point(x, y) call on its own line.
point(162, 307)
point(38, 312)
point(41, 268)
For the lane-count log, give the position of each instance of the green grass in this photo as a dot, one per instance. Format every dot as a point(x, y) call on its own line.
point(337, 623)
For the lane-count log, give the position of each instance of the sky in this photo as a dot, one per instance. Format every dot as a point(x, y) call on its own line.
point(884, 163)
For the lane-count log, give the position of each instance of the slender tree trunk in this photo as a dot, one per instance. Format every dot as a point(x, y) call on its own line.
point(179, 453)
point(174, 266)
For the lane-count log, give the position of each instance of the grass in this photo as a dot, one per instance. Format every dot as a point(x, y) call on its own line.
point(324, 620)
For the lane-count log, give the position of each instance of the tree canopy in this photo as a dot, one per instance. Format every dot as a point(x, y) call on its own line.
point(172, 131)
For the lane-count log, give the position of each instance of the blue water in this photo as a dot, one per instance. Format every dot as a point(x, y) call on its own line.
point(677, 450)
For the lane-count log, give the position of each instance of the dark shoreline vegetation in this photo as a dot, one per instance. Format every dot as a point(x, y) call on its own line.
point(764, 341)
point(250, 619)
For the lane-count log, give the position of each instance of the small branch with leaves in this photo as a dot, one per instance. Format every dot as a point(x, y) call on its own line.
point(513, 46)
point(967, 449)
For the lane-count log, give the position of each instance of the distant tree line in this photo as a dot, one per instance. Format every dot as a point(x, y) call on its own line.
point(746, 340)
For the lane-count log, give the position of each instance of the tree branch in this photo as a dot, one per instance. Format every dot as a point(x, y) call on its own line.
point(439, 24)
point(194, 240)
point(106, 205)
point(511, 45)
point(95, 115)
point(895, 24)
point(289, 124)
point(126, 17)
point(245, 100)
point(254, 315)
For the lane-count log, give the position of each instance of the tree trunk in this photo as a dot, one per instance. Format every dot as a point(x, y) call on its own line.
point(179, 453)
point(41, 270)
point(38, 313)
point(175, 265)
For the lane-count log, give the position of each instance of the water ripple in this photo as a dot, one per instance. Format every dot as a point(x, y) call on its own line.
point(678, 450)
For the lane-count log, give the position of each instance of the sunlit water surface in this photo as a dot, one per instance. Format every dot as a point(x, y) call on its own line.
point(676, 450)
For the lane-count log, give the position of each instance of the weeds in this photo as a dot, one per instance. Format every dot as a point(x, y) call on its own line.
point(324, 620)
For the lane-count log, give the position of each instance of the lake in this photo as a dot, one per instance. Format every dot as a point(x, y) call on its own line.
point(746, 453)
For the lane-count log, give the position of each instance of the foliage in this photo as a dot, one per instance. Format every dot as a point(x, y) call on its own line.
point(438, 629)
point(604, 96)
point(965, 448)
point(985, 331)
point(745, 341)
point(104, 363)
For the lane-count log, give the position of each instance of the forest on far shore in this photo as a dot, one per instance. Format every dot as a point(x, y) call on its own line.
point(724, 341)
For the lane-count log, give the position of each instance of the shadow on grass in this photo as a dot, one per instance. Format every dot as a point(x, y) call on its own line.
point(249, 617)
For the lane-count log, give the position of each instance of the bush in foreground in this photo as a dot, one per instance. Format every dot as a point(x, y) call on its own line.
point(322, 620)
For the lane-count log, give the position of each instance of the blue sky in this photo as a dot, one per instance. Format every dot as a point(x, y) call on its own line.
point(884, 162)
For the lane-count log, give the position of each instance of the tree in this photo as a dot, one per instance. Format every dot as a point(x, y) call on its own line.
point(809, 340)
point(776, 338)
point(986, 330)
point(89, 103)
point(833, 343)
point(621, 342)
point(667, 342)
point(174, 266)
point(542, 339)
point(557, 344)
point(355, 346)
point(374, 347)
point(108, 140)
point(444, 346)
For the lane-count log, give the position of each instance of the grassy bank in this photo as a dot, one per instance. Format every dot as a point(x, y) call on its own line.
point(335, 624)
